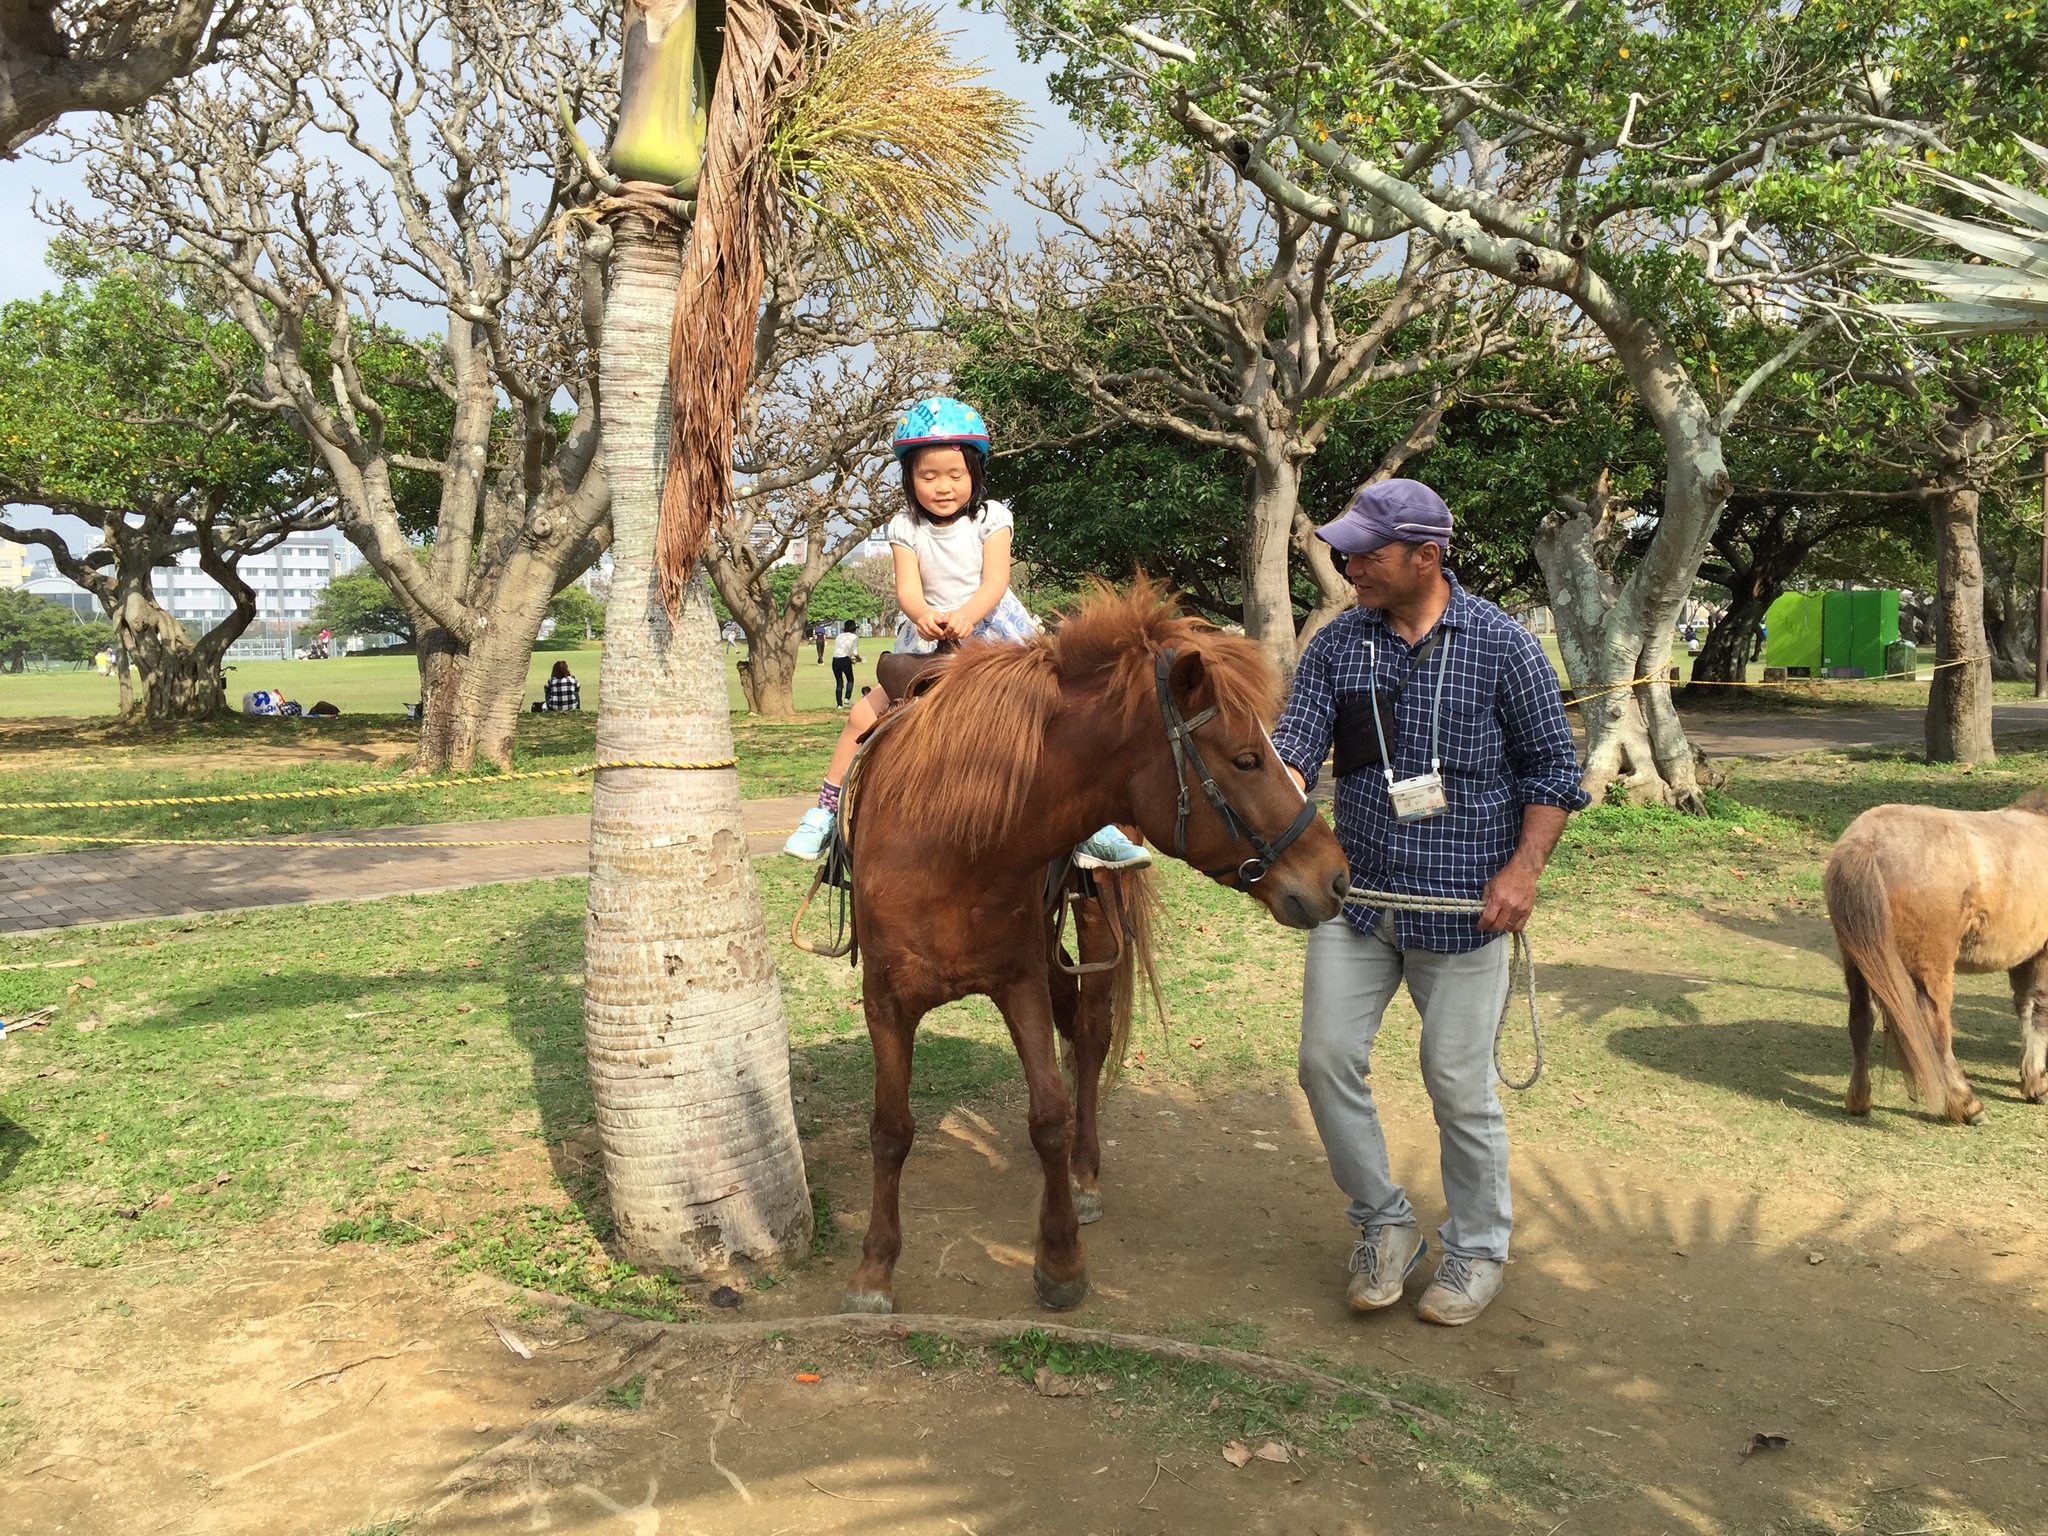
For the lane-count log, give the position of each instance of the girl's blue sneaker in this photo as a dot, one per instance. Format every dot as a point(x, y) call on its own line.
point(811, 834)
point(1110, 849)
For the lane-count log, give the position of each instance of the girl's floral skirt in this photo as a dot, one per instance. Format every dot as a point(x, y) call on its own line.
point(1009, 621)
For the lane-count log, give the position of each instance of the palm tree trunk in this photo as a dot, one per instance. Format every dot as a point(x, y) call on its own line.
point(683, 1023)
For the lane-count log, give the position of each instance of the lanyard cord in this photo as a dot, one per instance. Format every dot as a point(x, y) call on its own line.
point(1436, 710)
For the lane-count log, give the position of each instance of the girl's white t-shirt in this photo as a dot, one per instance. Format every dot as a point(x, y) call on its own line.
point(949, 557)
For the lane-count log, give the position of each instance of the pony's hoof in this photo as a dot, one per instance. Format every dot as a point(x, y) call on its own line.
point(867, 1301)
point(1059, 1295)
point(1976, 1119)
point(1088, 1205)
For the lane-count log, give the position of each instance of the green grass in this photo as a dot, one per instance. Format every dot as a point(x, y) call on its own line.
point(378, 685)
point(238, 757)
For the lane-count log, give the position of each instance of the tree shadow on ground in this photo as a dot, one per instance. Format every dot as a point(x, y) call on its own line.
point(15, 1140)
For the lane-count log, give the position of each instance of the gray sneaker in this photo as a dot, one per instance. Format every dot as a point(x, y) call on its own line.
point(1380, 1264)
point(1461, 1290)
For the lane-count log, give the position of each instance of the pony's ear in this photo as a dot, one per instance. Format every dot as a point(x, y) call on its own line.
point(1189, 681)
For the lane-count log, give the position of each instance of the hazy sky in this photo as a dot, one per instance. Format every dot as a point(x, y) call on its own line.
point(1054, 139)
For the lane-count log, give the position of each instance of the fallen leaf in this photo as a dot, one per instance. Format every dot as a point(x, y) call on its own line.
point(86, 982)
point(1765, 1443)
point(101, 1137)
point(1272, 1450)
point(470, 965)
point(1236, 1454)
point(1366, 1461)
point(419, 1167)
point(725, 1296)
point(464, 1008)
point(807, 1377)
point(1116, 1410)
point(1197, 1043)
point(1051, 1384)
point(1264, 1146)
point(510, 1340)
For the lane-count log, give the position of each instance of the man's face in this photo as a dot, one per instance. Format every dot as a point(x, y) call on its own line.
point(1390, 576)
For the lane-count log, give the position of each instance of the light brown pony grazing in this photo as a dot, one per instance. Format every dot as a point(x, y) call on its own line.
point(1011, 757)
point(1917, 894)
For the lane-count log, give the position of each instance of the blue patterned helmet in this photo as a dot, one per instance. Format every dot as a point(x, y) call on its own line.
point(941, 421)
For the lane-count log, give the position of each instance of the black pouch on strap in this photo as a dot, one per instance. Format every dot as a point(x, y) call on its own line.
point(1356, 742)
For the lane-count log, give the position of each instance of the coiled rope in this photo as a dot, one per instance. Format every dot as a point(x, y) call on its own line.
point(1521, 959)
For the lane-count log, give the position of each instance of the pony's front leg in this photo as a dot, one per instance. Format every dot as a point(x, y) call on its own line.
point(891, 1030)
point(2030, 1002)
point(1060, 1274)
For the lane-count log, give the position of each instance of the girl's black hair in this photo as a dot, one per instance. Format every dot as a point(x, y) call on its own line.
point(975, 490)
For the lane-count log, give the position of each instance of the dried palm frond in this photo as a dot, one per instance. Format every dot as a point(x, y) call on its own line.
point(2008, 289)
point(886, 150)
point(768, 44)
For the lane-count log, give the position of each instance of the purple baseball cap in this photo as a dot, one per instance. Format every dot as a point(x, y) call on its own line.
point(1390, 512)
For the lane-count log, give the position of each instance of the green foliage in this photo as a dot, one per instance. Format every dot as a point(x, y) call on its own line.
point(577, 615)
point(626, 1394)
point(379, 1225)
point(117, 391)
point(361, 603)
point(838, 596)
point(31, 625)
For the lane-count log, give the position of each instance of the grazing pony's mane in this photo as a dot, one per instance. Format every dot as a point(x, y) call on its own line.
point(966, 755)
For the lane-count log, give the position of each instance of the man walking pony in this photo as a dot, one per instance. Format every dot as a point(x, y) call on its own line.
point(1455, 773)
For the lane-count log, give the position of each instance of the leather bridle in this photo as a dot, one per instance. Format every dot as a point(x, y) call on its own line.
point(1180, 735)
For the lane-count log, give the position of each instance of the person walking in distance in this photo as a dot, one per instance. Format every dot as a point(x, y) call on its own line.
point(845, 652)
point(1455, 773)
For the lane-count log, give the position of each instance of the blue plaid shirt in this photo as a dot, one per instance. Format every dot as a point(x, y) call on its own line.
point(1505, 744)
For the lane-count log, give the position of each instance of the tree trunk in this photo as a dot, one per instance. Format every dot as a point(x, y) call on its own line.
point(1334, 592)
point(1268, 579)
point(475, 694)
point(1959, 701)
point(1724, 654)
point(181, 678)
point(683, 1022)
point(2008, 618)
point(775, 651)
point(1608, 636)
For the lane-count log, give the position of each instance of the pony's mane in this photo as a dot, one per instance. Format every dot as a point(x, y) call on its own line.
point(967, 754)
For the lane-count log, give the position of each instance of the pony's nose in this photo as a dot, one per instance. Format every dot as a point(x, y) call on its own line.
point(1340, 887)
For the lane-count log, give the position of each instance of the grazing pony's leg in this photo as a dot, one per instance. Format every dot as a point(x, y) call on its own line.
point(1939, 994)
point(2030, 1002)
point(1060, 1274)
point(891, 1029)
point(1862, 1020)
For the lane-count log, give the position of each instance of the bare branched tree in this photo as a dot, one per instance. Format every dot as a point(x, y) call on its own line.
point(375, 159)
point(59, 56)
point(1191, 305)
point(181, 674)
point(812, 471)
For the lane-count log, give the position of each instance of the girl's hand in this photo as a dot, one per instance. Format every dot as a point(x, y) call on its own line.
point(932, 626)
point(957, 628)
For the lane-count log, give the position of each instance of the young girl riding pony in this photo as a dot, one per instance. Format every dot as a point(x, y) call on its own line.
point(952, 552)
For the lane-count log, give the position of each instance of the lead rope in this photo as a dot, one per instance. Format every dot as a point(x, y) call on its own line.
point(1521, 958)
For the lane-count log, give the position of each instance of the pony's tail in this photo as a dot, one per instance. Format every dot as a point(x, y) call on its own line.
point(1861, 910)
point(1137, 906)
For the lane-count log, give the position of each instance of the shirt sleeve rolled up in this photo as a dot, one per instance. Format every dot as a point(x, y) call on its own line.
point(1541, 754)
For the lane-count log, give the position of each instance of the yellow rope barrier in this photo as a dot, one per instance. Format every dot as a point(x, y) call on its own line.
point(290, 842)
point(350, 789)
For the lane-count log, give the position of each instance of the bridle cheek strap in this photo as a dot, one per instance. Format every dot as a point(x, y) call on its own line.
point(1180, 736)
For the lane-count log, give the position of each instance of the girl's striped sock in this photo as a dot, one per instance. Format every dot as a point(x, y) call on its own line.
point(828, 796)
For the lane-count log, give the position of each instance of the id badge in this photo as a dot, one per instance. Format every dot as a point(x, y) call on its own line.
point(1419, 798)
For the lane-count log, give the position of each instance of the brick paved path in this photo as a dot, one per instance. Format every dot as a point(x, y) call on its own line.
point(57, 890)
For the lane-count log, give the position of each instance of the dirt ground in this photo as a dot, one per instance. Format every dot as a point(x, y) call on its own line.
point(1649, 1328)
point(44, 742)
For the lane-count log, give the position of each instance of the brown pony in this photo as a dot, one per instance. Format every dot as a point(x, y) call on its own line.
point(1917, 894)
point(1014, 754)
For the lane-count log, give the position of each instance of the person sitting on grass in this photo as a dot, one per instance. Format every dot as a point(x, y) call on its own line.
point(562, 691)
point(952, 551)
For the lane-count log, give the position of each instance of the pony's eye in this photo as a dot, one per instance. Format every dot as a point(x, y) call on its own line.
point(1249, 762)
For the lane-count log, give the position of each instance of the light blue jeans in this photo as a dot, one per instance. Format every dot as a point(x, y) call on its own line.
point(1350, 979)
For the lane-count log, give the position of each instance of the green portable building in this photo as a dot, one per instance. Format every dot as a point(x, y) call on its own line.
point(1836, 634)
point(1857, 628)
point(1792, 631)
